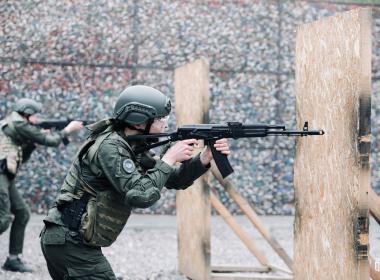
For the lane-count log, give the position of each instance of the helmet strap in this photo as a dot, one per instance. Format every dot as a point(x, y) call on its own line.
point(133, 128)
point(148, 125)
point(143, 131)
point(26, 116)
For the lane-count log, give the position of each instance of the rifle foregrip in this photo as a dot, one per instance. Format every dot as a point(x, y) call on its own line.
point(221, 161)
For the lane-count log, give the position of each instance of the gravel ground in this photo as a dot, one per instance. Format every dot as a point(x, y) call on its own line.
point(147, 248)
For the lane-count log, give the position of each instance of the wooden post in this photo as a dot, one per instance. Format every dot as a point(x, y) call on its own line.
point(191, 85)
point(332, 172)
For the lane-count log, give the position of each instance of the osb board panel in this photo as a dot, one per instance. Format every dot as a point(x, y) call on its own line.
point(193, 204)
point(331, 172)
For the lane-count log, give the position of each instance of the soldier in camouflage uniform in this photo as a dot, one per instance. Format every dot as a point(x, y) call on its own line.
point(18, 139)
point(107, 180)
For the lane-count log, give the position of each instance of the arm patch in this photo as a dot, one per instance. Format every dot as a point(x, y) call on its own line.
point(128, 165)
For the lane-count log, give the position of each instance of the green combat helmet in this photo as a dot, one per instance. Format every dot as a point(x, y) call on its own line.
point(26, 106)
point(141, 104)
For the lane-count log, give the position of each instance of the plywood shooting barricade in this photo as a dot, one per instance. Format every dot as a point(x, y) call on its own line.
point(332, 173)
point(191, 84)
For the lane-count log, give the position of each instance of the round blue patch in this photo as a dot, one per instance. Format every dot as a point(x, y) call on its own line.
point(128, 165)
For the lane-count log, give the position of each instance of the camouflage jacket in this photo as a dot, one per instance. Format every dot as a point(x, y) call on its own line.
point(18, 139)
point(117, 180)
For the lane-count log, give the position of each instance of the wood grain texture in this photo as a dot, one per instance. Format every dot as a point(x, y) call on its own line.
point(331, 172)
point(191, 83)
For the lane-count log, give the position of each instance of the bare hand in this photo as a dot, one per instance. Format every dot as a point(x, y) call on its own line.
point(220, 145)
point(73, 126)
point(181, 151)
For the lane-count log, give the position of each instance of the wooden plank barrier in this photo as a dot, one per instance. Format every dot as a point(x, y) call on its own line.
point(332, 172)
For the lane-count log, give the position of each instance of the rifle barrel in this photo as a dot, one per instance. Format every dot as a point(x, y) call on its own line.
point(297, 132)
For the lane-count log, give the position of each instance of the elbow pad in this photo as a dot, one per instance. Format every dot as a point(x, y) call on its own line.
point(142, 198)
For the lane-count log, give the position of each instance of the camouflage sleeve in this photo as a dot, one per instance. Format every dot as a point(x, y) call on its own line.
point(33, 133)
point(183, 176)
point(139, 190)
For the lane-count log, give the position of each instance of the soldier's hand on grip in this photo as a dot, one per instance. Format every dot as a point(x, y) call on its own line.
point(220, 145)
point(73, 126)
point(181, 151)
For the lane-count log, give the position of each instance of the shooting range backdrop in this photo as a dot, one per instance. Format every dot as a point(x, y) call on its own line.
point(76, 56)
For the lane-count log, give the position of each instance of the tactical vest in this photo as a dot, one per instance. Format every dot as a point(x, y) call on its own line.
point(10, 151)
point(106, 213)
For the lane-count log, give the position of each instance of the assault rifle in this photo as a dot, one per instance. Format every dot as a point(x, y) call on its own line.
point(59, 123)
point(212, 132)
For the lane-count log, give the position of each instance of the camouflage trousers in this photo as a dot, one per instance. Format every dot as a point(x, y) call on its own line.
point(13, 210)
point(68, 258)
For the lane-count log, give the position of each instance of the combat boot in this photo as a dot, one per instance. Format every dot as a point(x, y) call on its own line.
point(16, 265)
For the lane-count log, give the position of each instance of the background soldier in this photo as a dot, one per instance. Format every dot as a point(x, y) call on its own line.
point(107, 179)
point(18, 139)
